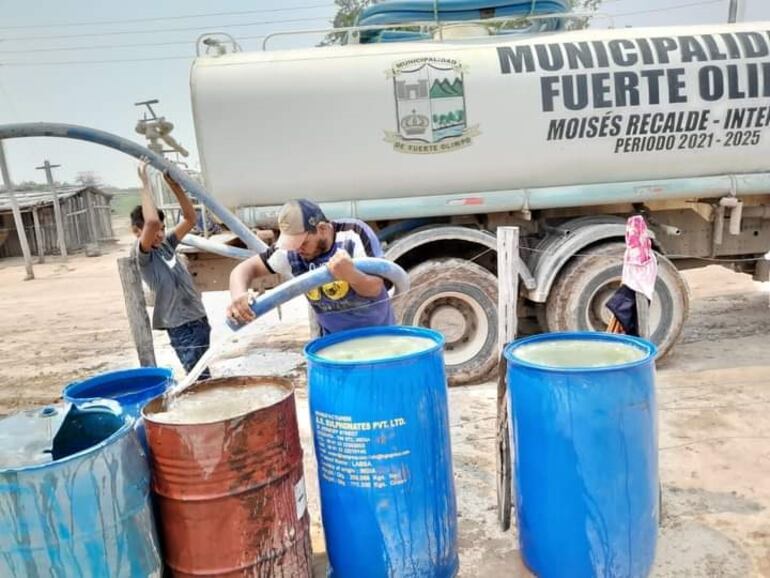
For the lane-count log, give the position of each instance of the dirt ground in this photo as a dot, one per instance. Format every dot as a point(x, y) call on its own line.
point(713, 395)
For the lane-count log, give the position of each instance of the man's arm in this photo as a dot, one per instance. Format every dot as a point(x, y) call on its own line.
point(240, 281)
point(365, 244)
point(152, 222)
point(341, 267)
point(189, 216)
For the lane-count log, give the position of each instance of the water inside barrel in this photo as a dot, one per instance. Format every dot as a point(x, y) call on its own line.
point(215, 404)
point(375, 348)
point(579, 353)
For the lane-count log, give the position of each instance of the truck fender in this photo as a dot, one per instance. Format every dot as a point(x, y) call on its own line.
point(555, 252)
point(451, 233)
point(439, 233)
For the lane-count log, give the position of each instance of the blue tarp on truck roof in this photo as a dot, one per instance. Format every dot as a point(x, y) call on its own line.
point(419, 11)
point(403, 11)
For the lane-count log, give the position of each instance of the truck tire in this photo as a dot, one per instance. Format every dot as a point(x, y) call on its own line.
point(458, 298)
point(577, 299)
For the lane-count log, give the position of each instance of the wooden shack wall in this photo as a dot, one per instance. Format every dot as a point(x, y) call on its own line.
point(75, 219)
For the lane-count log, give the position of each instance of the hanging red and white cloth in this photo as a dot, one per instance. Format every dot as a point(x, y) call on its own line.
point(640, 267)
point(640, 270)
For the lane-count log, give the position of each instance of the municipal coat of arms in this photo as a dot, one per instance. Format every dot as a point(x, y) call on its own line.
point(430, 106)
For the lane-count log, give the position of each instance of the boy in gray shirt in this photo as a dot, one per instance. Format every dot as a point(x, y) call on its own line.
point(178, 306)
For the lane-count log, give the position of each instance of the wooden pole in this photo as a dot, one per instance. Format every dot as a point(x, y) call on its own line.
point(508, 284)
point(643, 315)
point(507, 329)
point(92, 248)
point(38, 237)
point(108, 217)
point(89, 206)
point(136, 309)
point(16, 215)
point(47, 166)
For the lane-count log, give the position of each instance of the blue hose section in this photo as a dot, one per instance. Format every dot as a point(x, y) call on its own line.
point(209, 246)
point(317, 277)
point(50, 129)
point(386, 234)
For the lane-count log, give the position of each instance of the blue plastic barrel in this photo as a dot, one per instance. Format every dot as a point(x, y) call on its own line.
point(585, 459)
point(381, 433)
point(131, 388)
point(84, 508)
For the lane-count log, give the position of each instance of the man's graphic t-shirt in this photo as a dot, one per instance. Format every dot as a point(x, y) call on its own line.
point(336, 304)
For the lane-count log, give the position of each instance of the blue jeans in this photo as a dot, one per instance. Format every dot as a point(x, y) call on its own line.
point(191, 341)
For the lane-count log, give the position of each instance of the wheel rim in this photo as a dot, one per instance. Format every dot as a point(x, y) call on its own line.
point(597, 316)
point(462, 321)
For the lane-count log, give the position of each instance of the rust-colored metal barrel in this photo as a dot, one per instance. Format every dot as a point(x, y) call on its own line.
point(231, 494)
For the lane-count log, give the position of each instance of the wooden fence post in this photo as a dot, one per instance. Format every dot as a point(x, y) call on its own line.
point(643, 315)
point(508, 284)
point(17, 218)
point(38, 237)
point(507, 315)
point(92, 247)
point(136, 308)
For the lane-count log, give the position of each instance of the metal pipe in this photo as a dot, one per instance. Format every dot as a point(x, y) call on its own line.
point(736, 11)
point(428, 23)
point(317, 277)
point(50, 129)
point(719, 225)
point(736, 214)
point(558, 197)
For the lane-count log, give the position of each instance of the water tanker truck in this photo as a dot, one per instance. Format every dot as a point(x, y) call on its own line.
point(438, 135)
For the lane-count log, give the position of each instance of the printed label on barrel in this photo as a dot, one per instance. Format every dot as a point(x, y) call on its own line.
point(349, 452)
point(300, 497)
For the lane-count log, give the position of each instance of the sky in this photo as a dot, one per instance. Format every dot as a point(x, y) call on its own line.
point(88, 61)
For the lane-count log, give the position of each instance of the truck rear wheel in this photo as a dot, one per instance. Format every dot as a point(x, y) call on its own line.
point(577, 300)
point(459, 299)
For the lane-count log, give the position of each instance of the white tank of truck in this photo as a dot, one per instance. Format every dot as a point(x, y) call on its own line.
point(363, 122)
point(439, 143)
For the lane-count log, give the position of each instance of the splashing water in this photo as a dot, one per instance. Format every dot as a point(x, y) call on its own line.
point(201, 366)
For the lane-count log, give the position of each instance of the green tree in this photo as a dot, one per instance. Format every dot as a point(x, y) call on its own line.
point(583, 6)
point(89, 179)
point(348, 11)
point(346, 16)
point(30, 186)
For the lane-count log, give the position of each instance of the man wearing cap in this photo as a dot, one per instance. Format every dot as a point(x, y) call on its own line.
point(308, 240)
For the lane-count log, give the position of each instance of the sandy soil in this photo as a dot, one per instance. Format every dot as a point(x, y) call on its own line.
point(714, 397)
